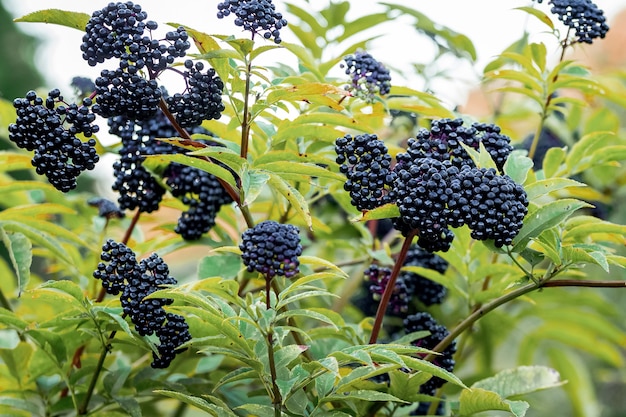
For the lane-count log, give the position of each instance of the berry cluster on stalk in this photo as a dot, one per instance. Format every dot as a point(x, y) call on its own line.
point(368, 77)
point(424, 321)
point(49, 128)
point(256, 16)
point(367, 165)
point(409, 286)
point(197, 189)
point(271, 248)
point(583, 16)
point(120, 273)
point(436, 183)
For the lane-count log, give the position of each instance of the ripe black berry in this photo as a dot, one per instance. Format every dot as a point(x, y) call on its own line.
point(368, 77)
point(583, 16)
point(126, 93)
point(49, 128)
point(426, 290)
point(367, 165)
point(422, 194)
point(377, 279)
point(111, 30)
point(257, 16)
point(271, 248)
point(493, 206)
point(202, 98)
point(171, 335)
point(120, 267)
point(201, 192)
point(424, 321)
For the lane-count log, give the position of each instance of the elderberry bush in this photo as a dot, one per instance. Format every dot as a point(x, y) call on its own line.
point(368, 77)
point(424, 321)
point(49, 128)
point(367, 165)
point(583, 16)
point(256, 16)
point(271, 248)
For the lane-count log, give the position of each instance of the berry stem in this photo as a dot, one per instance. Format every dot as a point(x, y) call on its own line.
point(94, 378)
point(544, 111)
point(245, 123)
point(585, 283)
point(469, 321)
point(384, 301)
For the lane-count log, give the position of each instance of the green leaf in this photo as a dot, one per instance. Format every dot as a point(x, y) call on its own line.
point(544, 187)
point(9, 318)
point(545, 217)
point(298, 171)
point(153, 161)
point(552, 161)
point(224, 265)
point(406, 386)
point(362, 23)
point(20, 251)
point(476, 400)
point(298, 202)
point(197, 402)
point(365, 395)
point(50, 342)
point(386, 211)
point(543, 18)
point(517, 166)
point(12, 161)
point(585, 147)
point(38, 237)
point(74, 20)
point(521, 380)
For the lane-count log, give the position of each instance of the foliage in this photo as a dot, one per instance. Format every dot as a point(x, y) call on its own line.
point(522, 317)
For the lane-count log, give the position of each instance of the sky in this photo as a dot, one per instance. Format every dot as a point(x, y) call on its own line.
point(492, 25)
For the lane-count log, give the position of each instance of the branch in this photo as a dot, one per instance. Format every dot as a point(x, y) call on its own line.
point(585, 283)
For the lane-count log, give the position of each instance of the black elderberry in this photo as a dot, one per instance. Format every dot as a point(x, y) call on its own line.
point(111, 30)
point(119, 266)
point(126, 93)
point(422, 194)
point(202, 98)
point(426, 290)
point(493, 206)
point(377, 279)
point(583, 16)
point(106, 208)
point(271, 248)
point(256, 16)
point(49, 128)
point(201, 192)
point(171, 335)
point(424, 321)
point(367, 166)
point(368, 77)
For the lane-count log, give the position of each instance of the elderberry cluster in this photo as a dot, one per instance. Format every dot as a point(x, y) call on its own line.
point(426, 290)
point(202, 99)
point(49, 128)
point(424, 321)
point(367, 165)
point(122, 274)
point(409, 285)
point(368, 77)
point(446, 137)
point(255, 16)
point(271, 248)
point(583, 16)
point(201, 192)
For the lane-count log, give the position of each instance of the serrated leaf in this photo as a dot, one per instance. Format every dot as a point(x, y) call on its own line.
point(20, 252)
point(38, 237)
point(225, 266)
point(197, 402)
point(544, 187)
point(585, 147)
point(324, 317)
point(73, 20)
point(552, 161)
point(428, 367)
point(51, 343)
point(545, 217)
point(299, 171)
point(65, 289)
point(520, 381)
point(153, 161)
point(364, 395)
point(476, 400)
point(581, 254)
point(292, 195)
